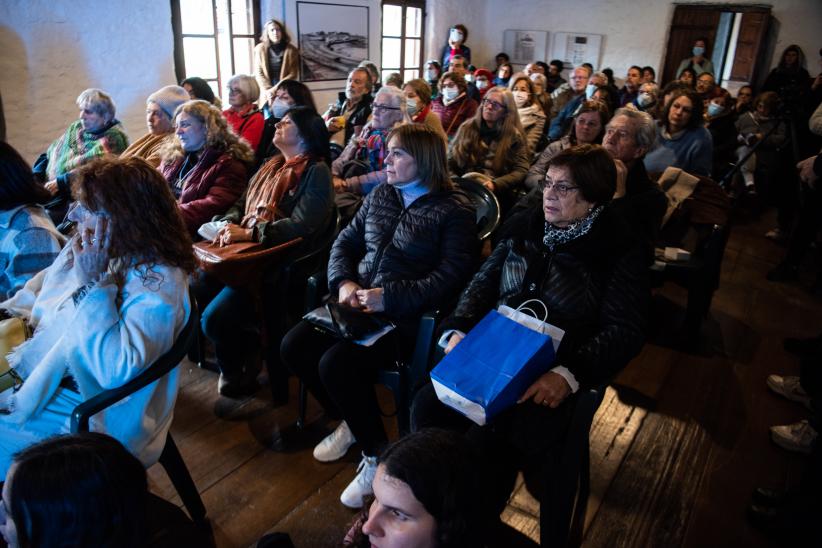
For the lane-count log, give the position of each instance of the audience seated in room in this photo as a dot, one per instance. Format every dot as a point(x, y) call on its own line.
point(110, 305)
point(760, 124)
point(206, 165)
point(243, 116)
point(352, 109)
point(373, 73)
point(706, 87)
point(291, 196)
point(160, 108)
point(410, 248)
point(682, 140)
point(29, 242)
point(531, 115)
point(453, 106)
point(418, 104)
point(577, 234)
point(483, 79)
point(744, 101)
point(492, 145)
point(95, 134)
point(275, 59)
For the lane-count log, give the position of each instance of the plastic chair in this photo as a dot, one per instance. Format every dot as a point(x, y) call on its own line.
point(170, 458)
point(484, 202)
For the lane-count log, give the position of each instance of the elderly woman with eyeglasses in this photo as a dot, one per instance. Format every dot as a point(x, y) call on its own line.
point(492, 144)
point(581, 260)
point(96, 133)
point(243, 115)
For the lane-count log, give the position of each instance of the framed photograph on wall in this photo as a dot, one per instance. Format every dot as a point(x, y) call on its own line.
point(575, 48)
point(525, 46)
point(333, 39)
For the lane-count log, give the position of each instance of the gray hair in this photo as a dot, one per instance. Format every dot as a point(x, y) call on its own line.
point(97, 101)
point(397, 97)
point(601, 75)
point(369, 82)
point(539, 77)
point(248, 85)
point(644, 124)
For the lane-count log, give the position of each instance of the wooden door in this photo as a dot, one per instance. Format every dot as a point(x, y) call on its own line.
point(689, 24)
point(750, 46)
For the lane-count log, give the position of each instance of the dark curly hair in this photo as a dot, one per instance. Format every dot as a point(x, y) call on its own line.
point(697, 108)
point(145, 222)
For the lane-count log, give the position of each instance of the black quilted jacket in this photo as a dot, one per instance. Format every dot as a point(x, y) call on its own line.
point(421, 256)
point(595, 287)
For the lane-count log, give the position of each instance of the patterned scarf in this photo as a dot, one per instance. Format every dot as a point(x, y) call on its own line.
point(269, 185)
point(555, 236)
point(77, 147)
point(372, 148)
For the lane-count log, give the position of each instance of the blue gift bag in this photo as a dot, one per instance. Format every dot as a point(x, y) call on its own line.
point(492, 367)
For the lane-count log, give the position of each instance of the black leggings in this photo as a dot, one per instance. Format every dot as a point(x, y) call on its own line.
point(341, 376)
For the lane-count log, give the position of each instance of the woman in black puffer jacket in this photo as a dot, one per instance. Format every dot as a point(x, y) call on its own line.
point(411, 247)
point(580, 260)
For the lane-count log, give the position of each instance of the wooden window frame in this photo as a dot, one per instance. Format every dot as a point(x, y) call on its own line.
point(404, 4)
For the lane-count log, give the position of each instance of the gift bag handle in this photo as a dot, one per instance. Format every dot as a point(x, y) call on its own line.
point(523, 308)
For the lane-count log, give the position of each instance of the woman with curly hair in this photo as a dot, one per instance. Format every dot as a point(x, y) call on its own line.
point(111, 304)
point(206, 165)
point(492, 144)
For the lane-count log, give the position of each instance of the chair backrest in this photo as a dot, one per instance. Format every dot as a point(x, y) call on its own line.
point(82, 413)
point(323, 243)
point(485, 203)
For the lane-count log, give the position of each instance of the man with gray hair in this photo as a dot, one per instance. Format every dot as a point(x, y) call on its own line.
point(628, 137)
point(562, 121)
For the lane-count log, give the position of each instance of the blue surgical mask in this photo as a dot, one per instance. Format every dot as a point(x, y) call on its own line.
point(645, 99)
point(714, 109)
point(411, 106)
point(589, 90)
point(279, 108)
point(430, 75)
point(449, 94)
point(699, 50)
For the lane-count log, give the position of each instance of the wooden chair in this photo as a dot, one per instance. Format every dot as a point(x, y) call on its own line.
point(170, 458)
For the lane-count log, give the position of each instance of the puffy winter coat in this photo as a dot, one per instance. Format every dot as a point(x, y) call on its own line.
point(595, 288)
point(420, 256)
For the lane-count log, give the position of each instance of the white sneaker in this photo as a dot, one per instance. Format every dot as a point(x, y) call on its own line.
point(797, 437)
point(790, 388)
point(335, 445)
point(361, 486)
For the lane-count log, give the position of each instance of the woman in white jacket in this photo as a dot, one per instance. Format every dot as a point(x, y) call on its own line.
point(111, 304)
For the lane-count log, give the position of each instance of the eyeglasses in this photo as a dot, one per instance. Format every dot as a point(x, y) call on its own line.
point(234, 91)
point(494, 105)
point(561, 189)
point(376, 107)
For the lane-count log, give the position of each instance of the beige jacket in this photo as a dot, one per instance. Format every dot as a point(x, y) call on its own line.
point(289, 71)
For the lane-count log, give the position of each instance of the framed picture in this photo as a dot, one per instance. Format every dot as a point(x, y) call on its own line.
point(575, 48)
point(333, 39)
point(525, 46)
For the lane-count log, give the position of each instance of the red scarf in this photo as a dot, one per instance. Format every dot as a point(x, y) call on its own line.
point(269, 185)
point(419, 117)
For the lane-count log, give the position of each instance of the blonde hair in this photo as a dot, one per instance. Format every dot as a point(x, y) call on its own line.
point(248, 86)
point(219, 134)
point(468, 150)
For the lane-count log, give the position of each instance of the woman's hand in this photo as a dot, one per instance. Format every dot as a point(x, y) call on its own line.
point(550, 389)
point(489, 184)
point(339, 184)
point(371, 299)
point(231, 234)
point(453, 341)
point(91, 251)
point(806, 172)
point(52, 187)
point(348, 294)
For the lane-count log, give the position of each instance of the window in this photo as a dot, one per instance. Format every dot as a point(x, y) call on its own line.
point(402, 24)
point(214, 39)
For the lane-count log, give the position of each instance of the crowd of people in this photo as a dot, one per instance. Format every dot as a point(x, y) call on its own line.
point(573, 165)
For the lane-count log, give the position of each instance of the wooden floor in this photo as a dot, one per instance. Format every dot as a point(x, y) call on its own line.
point(677, 446)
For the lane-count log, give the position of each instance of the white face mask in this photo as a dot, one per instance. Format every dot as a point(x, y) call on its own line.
point(469, 78)
point(589, 90)
point(279, 108)
point(521, 98)
point(430, 75)
point(482, 84)
point(449, 94)
point(645, 99)
point(455, 36)
point(411, 106)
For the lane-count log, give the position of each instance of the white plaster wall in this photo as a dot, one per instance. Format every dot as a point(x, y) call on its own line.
point(635, 31)
point(54, 49)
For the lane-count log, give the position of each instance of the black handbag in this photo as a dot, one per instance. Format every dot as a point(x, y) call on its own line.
point(346, 322)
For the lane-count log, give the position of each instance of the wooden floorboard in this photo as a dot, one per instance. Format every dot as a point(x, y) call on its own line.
point(677, 446)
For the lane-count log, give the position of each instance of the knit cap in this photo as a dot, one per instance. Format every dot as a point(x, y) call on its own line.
point(169, 98)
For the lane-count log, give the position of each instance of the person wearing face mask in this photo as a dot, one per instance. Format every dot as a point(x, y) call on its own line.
point(720, 121)
point(483, 79)
point(453, 106)
point(647, 99)
point(418, 104)
point(587, 86)
point(160, 107)
point(287, 94)
point(352, 110)
point(530, 111)
point(457, 35)
point(275, 59)
point(630, 90)
point(698, 62)
point(432, 73)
